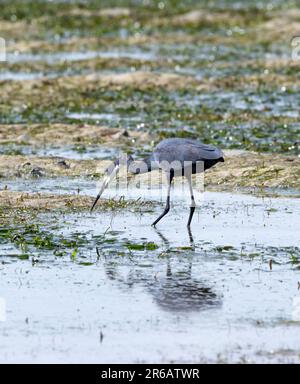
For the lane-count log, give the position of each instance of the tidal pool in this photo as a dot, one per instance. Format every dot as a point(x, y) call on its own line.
point(77, 152)
point(225, 292)
point(20, 76)
point(52, 58)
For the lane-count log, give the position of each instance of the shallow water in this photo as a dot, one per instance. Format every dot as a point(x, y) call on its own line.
point(52, 58)
point(20, 76)
point(211, 297)
point(269, 104)
point(107, 286)
point(76, 152)
point(151, 52)
point(103, 117)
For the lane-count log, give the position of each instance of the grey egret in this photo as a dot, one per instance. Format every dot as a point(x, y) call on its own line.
point(176, 157)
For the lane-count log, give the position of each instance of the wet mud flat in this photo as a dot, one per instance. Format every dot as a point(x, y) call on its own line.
point(84, 83)
point(218, 294)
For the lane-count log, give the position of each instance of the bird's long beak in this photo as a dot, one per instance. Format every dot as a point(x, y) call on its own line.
point(106, 181)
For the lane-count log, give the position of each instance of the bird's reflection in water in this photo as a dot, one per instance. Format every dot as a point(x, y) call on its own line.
point(179, 291)
point(176, 290)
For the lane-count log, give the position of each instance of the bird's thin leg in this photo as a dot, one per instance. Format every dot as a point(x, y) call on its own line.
point(193, 203)
point(192, 243)
point(167, 207)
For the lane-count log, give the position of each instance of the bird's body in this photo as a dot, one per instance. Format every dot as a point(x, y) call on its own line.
point(183, 152)
point(176, 157)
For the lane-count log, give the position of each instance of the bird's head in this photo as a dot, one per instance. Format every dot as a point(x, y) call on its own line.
point(111, 171)
point(123, 160)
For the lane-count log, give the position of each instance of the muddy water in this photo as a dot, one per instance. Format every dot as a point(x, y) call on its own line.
point(205, 296)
